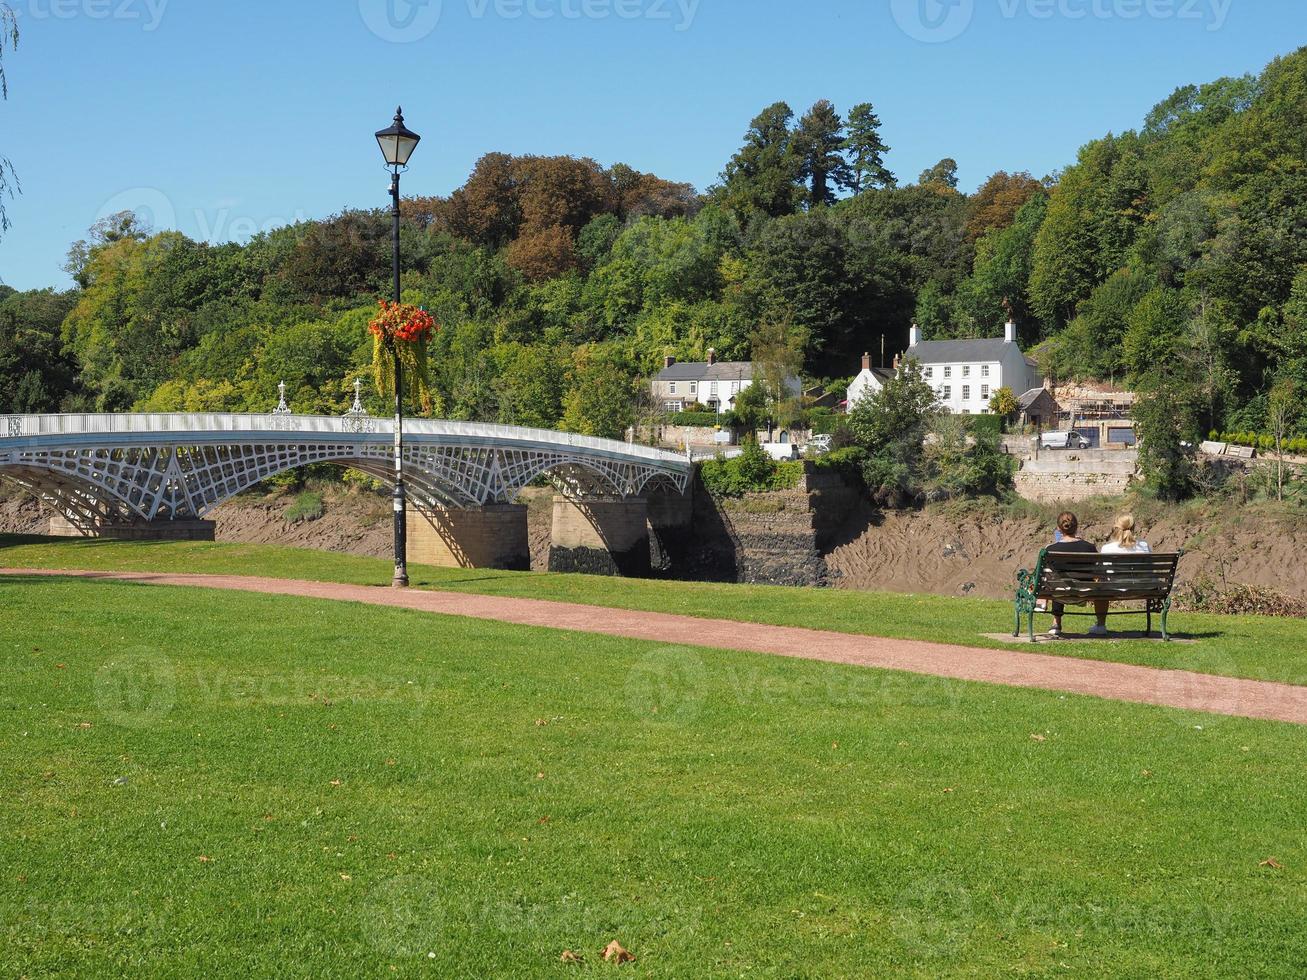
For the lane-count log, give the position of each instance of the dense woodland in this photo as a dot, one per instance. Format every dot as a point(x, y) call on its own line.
point(1172, 258)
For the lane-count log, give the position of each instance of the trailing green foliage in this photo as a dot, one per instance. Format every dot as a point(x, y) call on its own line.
point(753, 471)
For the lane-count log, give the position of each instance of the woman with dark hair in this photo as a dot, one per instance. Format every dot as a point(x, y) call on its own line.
point(1071, 543)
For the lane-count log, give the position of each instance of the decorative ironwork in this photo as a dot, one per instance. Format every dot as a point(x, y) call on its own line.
point(357, 418)
point(98, 469)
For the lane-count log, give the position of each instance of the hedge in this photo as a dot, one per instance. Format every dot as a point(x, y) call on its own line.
point(1262, 441)
point(703, 420)
point(993, 424)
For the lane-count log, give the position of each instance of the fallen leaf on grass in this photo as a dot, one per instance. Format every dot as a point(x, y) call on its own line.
point(615, 952)
point(345, 877)
point(543, 820)
point(1272, 863)
point(570, 957)
point(1038, 738)
point(204, 859)
point(335, 782)
point(540, 775)
point(84, 724)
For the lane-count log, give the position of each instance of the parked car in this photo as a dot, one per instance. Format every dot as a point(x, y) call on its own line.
point(819, 445)
point(1064, 440)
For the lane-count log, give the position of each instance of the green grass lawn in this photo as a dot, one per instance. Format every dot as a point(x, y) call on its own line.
point(1234, 646)
point(208, 783)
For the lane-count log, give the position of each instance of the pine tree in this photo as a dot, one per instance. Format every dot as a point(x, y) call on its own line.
point(764, 174)
point(819, 144)
point(866, 150)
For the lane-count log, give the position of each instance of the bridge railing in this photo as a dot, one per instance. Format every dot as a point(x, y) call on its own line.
point(18, 426)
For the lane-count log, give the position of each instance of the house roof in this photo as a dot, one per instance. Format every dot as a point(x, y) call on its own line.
point(958, 351)
point(703, 371)
point(1032, 396)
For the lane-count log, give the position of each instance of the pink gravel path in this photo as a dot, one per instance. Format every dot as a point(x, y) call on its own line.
point(1120, 682)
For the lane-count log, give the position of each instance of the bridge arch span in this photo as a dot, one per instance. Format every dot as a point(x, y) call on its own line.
point(130, 468)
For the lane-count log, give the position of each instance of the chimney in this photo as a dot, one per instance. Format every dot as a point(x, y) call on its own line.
point(668, 361)
point(866, 362)
point(712, 356)
point(914, 338)
point(1010, 332)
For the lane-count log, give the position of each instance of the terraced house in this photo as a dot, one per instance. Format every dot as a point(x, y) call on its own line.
point(712, 383)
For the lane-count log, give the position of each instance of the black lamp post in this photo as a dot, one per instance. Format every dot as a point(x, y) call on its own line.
point(397, 145)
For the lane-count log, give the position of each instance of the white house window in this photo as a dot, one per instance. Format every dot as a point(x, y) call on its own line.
point(694, 387)
point(948, 392)
point(671, 406)
point(966, 393)
point(930, 372)
point(713, 389)
point(984, 392)
point(671, 388)
point(984, 370)
point(966, 371)
point(948, 372)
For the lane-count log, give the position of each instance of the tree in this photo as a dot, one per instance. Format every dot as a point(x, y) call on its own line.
point(943, 174)
point(8, 176)
point(601, 395)
point(818, 143)
point(996, 205)
point(1004, 403)
point(1281, 414)
point(866, 150)
point(1163, 420)
point(763, 176)
point(891, 426)
point(777, 350)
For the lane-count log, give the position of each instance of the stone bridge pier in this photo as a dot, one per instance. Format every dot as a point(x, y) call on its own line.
point(630, 537)
point(491, 536)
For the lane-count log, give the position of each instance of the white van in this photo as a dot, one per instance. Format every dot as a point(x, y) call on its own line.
point(1063, 440)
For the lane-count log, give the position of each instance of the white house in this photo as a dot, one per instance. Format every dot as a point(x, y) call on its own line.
point(713, 383)
point(966, 373)
point(869, 381)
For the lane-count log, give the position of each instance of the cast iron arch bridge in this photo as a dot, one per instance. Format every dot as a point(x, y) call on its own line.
point(99, 470)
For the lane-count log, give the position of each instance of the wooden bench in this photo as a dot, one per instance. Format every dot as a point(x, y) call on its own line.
point(1079, 579)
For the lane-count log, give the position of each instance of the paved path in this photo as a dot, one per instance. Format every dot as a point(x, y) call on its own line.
point(1014, 668)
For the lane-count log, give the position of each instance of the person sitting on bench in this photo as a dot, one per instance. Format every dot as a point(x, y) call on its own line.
point(1123, 540)
point(1069, 526)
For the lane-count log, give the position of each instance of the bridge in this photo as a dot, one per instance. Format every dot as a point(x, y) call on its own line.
point(160, 475)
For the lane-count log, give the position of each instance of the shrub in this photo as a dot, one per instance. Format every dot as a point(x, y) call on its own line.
point(984, 424)
point(751, 472)
point(307, 507)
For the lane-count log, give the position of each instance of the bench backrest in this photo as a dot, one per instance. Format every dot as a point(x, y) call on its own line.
point(1120, 577)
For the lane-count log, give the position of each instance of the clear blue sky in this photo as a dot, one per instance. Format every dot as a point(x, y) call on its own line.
point(223, 117)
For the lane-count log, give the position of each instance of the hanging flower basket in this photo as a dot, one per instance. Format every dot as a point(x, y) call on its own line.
point(402, 331)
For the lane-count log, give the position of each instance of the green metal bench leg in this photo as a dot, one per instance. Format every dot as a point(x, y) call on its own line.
point(1166, 609)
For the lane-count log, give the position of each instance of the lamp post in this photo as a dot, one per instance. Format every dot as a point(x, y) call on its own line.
point(397, 144)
